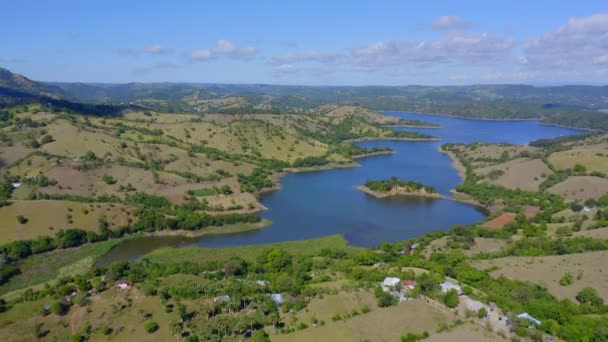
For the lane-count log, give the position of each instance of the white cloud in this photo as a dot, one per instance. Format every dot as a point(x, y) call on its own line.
point(201, 55)
point(450, 22)
point(601, 59)
point(578, 43)
point(155, 49)
point(225, 48)
point(481, 49)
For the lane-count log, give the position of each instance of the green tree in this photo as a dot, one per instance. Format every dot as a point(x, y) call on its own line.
point(450, 298)
point(589, 296)
point(60, 308)
point(150, 326)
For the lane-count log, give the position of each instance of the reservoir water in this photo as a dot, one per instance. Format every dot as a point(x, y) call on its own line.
point(321, 203)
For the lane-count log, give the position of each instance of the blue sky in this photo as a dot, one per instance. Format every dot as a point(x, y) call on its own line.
point(308, 42)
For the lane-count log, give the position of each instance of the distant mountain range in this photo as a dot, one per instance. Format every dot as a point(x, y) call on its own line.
point(579, 106)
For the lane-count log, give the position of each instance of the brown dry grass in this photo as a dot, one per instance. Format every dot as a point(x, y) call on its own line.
point(466, 333)
point(594, 158)
point(382, 324)
point(519, 173)
point(126, 324)
point(548, 270)
point(580, 188)
point(45, 218)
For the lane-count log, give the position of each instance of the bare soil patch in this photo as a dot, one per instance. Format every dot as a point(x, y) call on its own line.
point(499, 221)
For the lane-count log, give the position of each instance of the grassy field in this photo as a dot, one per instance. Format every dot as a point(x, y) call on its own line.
point(520, 173)
point(48, 217)
point(594, 158)
point(381, 324)
point(549, 270)
point(121, 311)
point(580, 188)
point(41, 268)
point(466, 333)
point(197, 254)
point(482, 245)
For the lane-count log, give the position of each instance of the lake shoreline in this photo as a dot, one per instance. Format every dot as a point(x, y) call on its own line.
point(393, 139)
point(276, 177)
point(490, 119)
point(413, 126)
point(456, 163)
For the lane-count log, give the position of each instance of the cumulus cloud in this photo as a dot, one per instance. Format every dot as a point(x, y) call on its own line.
point(125, 52)
point(450, 22)
point(481, 48)
point(578, 43)
point(225, 48)
point(201, 55)
point(155, 49)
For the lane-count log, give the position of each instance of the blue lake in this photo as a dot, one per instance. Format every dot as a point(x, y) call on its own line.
point(321, 203)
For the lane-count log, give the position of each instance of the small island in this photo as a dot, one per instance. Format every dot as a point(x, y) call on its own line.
point(396, 187)
point(414, 123)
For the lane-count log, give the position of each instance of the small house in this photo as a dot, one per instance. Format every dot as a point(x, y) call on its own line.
point(16, 184)
point(277, 298)
point(122, 284)
point(261, 282)
point(414, 246)
point(448, 285)
point(390, 283)
point(409, 284)
point(526, 316)
point(224, 298)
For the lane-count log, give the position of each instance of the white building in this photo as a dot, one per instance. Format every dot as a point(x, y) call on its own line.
point(277, 298)
point(529, 318)
point(448, 285)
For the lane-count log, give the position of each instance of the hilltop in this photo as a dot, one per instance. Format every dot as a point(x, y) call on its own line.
point(576, 106)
